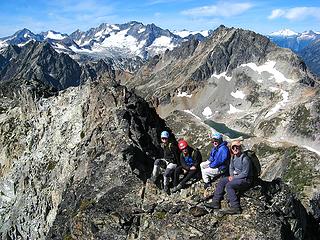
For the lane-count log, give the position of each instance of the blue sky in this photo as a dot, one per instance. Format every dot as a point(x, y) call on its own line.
point(68, 15)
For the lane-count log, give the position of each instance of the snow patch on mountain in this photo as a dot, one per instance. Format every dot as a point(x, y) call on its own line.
point(162, 43)
point(184, 94)
point(22, 44)
point(142, 30)
point(223, 74)
point(233, 110)
point(54, 35)
point(191, 113)
point(186, 33)
point(279, 105)
point(284, 33)
point(238, 94)
point(269, 67)
point(207, 112)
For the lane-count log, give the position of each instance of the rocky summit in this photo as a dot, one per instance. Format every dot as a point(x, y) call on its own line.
point(78, 140)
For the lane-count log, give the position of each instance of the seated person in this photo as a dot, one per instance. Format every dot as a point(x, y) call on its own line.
point(169, 160)
point(218, 162)
point(189, 160)
point(240, 179)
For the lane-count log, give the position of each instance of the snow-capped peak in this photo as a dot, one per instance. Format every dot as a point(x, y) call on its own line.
point(185, 33)
point(54, 35)
point(284, 33)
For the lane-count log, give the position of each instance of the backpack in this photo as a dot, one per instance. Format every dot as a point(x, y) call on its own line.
point(255, 163)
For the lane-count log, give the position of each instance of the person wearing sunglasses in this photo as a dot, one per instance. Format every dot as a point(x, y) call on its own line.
point(170, 156)
point(239, 179)
point(218, 162)
point(190, 159)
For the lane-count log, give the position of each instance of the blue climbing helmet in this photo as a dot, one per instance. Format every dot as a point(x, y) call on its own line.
point(217, 136)
point(164, 134)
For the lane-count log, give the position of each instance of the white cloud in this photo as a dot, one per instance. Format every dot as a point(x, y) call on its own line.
point(221, 9)
point(296, 13)
point(276, 13)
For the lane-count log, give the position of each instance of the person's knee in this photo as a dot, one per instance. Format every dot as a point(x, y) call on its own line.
point(157, 162)
point(231, 185)
point(167, 173)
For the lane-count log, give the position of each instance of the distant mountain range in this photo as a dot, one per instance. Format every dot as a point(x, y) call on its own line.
point(136, 40)
point(293, 40)
point(109, 40)
point(305, 44)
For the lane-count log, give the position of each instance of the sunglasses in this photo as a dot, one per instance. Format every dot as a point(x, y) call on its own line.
point(215, 142)
point(235, 147)
point(164, 138)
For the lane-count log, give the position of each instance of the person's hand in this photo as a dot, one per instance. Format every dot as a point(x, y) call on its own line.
point(230, 178)
point(193, 168)
point(184, 171)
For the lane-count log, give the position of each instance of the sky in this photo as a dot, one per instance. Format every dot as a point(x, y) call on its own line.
point(66, 16)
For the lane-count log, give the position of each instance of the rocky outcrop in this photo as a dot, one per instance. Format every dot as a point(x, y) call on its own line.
point(38, 67)
point(40, 62)
point(89, 143)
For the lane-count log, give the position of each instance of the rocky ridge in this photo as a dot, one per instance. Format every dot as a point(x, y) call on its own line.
point(62, 177)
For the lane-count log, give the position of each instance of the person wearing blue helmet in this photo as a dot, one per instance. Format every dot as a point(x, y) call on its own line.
point(218, 162)
point(169, 160)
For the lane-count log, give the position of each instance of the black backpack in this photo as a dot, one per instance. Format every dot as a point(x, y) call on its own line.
point(255, 163)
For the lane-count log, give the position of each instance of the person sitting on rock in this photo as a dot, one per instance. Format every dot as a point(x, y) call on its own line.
point(218, 162)
point(240, 179)
point(189, 159)
point(169, 160)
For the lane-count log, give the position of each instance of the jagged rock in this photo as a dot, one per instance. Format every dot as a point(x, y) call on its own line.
point(76, 153)
point(40, 62)
point(197, 211)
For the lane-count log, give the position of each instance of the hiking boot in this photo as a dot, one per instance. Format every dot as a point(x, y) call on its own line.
point(232, 210)
point(176, 189)
point(166, 189)
point(206, 185)
point(212, 205)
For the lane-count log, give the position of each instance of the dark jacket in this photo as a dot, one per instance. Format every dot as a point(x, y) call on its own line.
point(220, 157)
point(240, 167)
point(170, 152)
point(193, 159)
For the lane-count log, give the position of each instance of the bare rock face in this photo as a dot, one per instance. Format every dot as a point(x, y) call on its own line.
point(39, 61)
point(42, 69)
point(88, 145)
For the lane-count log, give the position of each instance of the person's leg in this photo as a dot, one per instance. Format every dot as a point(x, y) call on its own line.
point(177, 172)
point(168, 173)
point(205, 164)
point(231, 187)
point(208, 173)
point(219, 192)
point(189, 175)
point(156, 168)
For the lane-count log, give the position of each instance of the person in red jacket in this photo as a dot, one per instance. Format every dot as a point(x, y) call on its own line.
point(189, 165)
